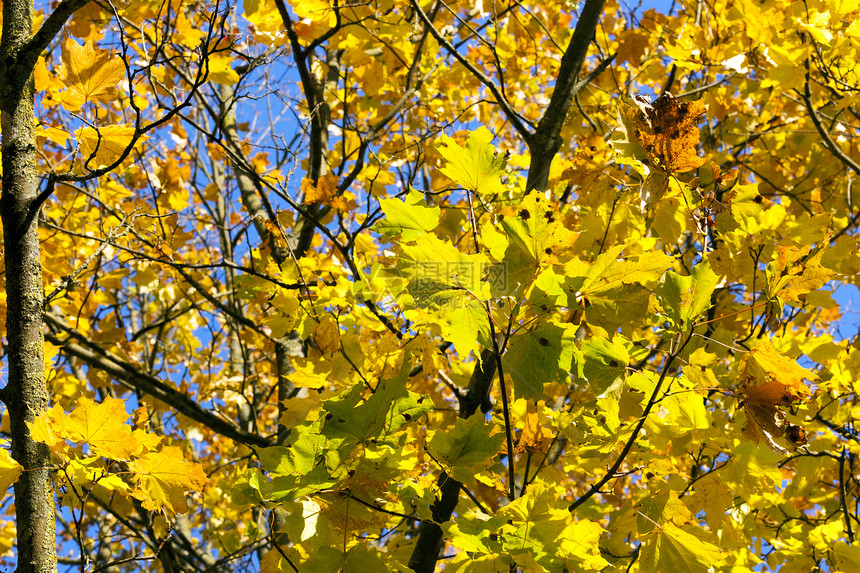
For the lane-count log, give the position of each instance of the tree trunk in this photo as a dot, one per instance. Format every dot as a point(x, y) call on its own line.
point(25, 394)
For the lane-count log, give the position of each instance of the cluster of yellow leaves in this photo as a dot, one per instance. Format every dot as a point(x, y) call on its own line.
point(161, 476)
point(87, 76)
point(325, 192)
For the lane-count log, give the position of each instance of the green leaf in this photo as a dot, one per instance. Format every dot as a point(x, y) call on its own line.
point(437, 271)
point(466, 326)
point(409, 218)
point(685, 298)
point(608, 272)
point(613, 291)
point(477, 167)
point(604, 361)
point(540, 356)
point(537, 229)
point(472, 532)
point(467, 448)
point(381, 414)
point(493, 240)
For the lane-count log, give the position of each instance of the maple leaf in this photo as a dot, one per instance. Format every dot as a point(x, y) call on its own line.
point(466, 448)
point(48, 428)
point(540, 356)
point(90, 74)
point(163, 477)
point(10, 470)
point(675, 549)
point(476, 167)
point(684, 298)
point(103, 146)
point(325, 192)
point(537, 229)
point(535, 437)
point(795, 273)
point(409, 218)
point(103, 427)
point(666, 130)
point(769, 378)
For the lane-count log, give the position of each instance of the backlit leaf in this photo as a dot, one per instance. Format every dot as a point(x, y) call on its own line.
point(9, 470)
point(477, 167)
point(163, 477)
point(90, 74)
point(409, 218)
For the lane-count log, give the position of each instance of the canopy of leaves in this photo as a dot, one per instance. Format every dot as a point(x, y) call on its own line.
point(528, 285)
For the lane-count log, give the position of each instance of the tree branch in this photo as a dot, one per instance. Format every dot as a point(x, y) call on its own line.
point(96, 357)
point(825, 136)
point(546, 141)
point(611, 472)
point(52, 25)
point(426, 551)
point(503, 102)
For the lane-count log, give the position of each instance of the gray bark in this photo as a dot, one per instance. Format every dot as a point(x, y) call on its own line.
point(25, 394)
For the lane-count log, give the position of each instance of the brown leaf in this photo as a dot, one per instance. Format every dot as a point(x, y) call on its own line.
point(765, 422)
point(667, 131)
point(535, 438)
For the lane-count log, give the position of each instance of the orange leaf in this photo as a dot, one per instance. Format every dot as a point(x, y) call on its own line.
point(326, 192)
point(323, 192)
point(535, 438)
point(163, 477)
point(769, 378)
point(90, 73)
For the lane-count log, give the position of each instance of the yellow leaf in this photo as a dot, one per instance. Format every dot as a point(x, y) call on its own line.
point(220, 71)
point(327, 335)
point(535, 438)
point(103, 146)
point(9, 469)
point(48, 428)
point(103, 427)
point(769, 378)
point(795, 273)
point(163, 477)
point(90, 74)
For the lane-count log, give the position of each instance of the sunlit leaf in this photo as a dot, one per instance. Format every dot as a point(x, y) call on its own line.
point(163, 477)
point(90, 74)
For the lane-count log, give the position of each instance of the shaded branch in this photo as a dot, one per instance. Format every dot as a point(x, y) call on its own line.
point(825, 136)
point(546, 141)
point(430, 539)
point(52, 25)
point(94, 356)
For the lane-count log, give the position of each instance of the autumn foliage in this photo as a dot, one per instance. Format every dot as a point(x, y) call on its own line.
point(415, 286)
